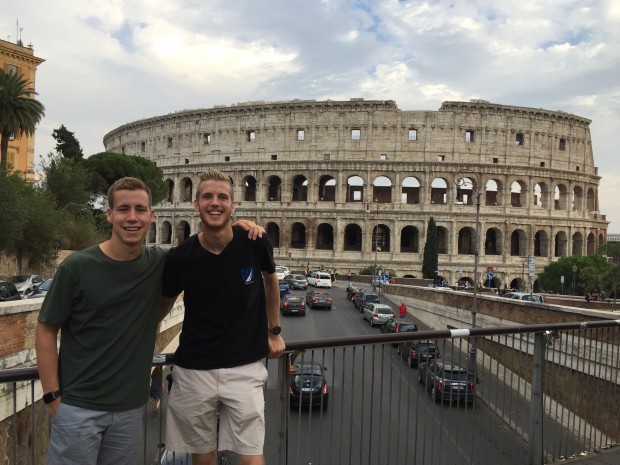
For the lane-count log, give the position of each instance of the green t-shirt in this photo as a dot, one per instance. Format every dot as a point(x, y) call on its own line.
point(107, 311)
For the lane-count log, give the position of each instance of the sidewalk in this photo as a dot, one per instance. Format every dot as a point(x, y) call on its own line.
point(609, 456)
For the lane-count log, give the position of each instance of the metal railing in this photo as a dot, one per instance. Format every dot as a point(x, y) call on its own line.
point(542, 393)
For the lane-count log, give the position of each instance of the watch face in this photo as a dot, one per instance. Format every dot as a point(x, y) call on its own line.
point(276, 330)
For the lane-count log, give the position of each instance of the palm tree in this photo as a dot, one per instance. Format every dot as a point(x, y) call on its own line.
point(19, 111)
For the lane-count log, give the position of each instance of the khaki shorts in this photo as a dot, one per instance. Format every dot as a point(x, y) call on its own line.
point(191, 424)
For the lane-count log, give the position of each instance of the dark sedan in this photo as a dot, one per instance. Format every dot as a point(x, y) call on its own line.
point(393, 326)
point(319, 299)
point(446, 382)
point(293, 305)
point(416, 352)
point(307, 385)
point(8, 292)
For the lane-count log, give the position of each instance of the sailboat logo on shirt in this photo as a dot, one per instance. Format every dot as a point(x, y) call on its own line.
point(247, 275)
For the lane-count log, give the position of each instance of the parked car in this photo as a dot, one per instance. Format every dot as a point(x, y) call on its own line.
point(26, 283)
point(393, 326)
point(446, 382)
point(377, 314)
point(40, 291)
point(530, 297)
point(297, 281)
point(362, 299)
point(308, 386)
point(8, 292)
point(320, 279)
point(284, 289)
point(293, 305)
point(282, 272)
point(319, 299)
point(416, 352)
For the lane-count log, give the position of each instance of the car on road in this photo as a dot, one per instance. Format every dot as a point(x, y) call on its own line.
point(308, 386)
point(293, 305)
point(40, 291)
point(8, 292)
point(417, 352)
point(320, 279)
point(284, 289)
point(393, 326)
point(26, 283)
point(364, 298)
point(377, 314)
point(282, 272)
point(529, 297)
point(446, 381)
point(319, 299)
point(297, 281)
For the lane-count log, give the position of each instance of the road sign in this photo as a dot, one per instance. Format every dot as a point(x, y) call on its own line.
point(490, 276)
point(562, 279)
point(531, 266)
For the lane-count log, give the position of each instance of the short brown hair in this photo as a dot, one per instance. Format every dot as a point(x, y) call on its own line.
point(128, 184)
point(215, 175)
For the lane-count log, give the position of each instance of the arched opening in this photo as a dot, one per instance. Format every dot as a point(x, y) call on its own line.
point(541, 244)
point(561, 244)
point(382, 189)
point(355, 189)
point(442, 240)
point(249, 195)
point(492, 195)
point(170, 195)
point(273, 232)
point(409, 240)
point(518, 243)
point(152, 237)
point(325, 237)
point(166, 233)
point(183, 231)
point(274, 189)
point(298, 236)
point(577, 244)
point(517, 194)
point(591, 245)
point(300, 189)
point(186, 190)
point(560, 197)
point(492, 242)
point(410, 191)
point(327, 189)
point(466, 241)
point(439, 191)
point(353, 237)
point(381, 238)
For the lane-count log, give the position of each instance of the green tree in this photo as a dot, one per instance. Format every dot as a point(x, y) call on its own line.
point(66, 144)
point(611, 249)
point(610, 281)
point(107, 167)
point(430, 261)
point(589, 270)
point(12, 209)
point(68, 181)
point(19, 111)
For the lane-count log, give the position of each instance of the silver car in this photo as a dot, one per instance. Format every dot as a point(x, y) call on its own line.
point(377, 314)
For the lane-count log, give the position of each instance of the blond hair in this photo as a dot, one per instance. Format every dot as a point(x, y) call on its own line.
point(215, 175)
point(128, 184)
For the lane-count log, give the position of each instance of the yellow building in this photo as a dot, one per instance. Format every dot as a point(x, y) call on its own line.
point(16, 58)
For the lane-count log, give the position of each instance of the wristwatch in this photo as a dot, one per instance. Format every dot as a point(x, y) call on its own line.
point(51, 396)
point(275, 330)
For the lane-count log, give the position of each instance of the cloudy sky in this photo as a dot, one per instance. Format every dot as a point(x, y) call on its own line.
point(109, 62)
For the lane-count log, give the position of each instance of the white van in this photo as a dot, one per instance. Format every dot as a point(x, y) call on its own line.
point(319, 279)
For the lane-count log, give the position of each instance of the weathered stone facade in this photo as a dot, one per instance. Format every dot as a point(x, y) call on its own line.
point(350, 184)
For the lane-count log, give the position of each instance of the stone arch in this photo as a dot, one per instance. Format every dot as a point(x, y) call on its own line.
point(561, 244)
point(442, 240)
point(170, 193)
point(591, 200)
point(439, 191)
point(465, 188)
point(298, 236)
point(249, 192)
point(353, 237)
point(325, 237)
point(410, 240)
point(577, 199)
point(466, 241)
point(327, 188)
point(517, 194)
point(493, 193)
point(591, 244)
point(186, 190)
point(166, 232)
point(355, 189)
point(381, 238)
point(493, 242)
point(541, 195)
point(273, 232)
point(410, 191)
point(518, 241)
point(577, 244)
point(152, 236)
point(541, 244)
point(274, 189)
point(300, 188)
point(183, 231)
point(382, 189)
point(560, 197)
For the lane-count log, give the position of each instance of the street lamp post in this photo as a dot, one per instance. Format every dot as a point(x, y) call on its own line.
point(460, 181)
point(574, 273)
point(374, 271)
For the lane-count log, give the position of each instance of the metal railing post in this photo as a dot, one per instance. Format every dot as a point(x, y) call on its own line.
point(535, 449)
point(283, 408)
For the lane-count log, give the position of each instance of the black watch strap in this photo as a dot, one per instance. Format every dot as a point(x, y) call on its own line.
point(50, 397)
point(275, 330)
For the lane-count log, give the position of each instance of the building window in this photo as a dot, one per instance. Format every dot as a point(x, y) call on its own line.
point(383, 156)
point(12, 69)
point(206, 138)
point(226, 158)
point(577, 168)
point(413, 134)
point(562, 144)
point(326, 156)
point(274, 157)
point(495, 160)
point(143, 146)
point(542, 164)
point(187, 161)
point(251, 136)
point(469, 135)
point(519, 139)
point(441, 158)
point(356, 134)
point(301, 134)
point(169, 142)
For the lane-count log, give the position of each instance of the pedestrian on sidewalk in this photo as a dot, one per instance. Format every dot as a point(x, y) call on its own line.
point(402, 310)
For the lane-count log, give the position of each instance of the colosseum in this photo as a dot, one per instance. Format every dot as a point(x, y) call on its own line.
point(348, 185)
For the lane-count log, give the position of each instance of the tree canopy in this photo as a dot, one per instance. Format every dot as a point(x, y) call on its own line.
point(19, 111)
point(587, 275)
point(66, 143)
